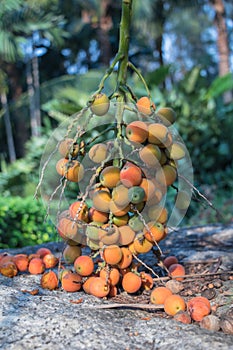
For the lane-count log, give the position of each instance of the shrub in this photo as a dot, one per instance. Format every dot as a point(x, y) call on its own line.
point(22, 223)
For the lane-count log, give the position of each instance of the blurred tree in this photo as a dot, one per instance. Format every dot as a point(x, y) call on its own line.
point(182, 33)
point(177, 32)
point(93, 27)
point(6, 113)
point(222, 43)
point(22, 23)
point(8, 53)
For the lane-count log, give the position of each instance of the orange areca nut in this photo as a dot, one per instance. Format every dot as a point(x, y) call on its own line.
point(183, 317)
point(137, 131)
point(112, 254)
point(158, 134)
point(79, 211)
point(43, 251)
point(5, 257)
point(126, 259)
point(198, 298)
point(21, 261)
point(68, 148)
point(98, 152)
point(130, 175)
point(150, 154)
point(110, 176)
point(149, 189)
point(159, 295)
point(147, 280)
point(8, 269)
point(49, 280)
point(198, 308)
point(72, 170)
point(154, 231)
point(118, 210)
point(98, 188)
point(71, 282)
point(67, 229)
point(97, 215)
point(173, 304)
point(99, 288)
point(144, 105)
point(84, 265)
point(36, 266)
point(177, 270)
point(141, 245)
point(113, 291)
point(112, 275)
point(101, 201)
point(87, 283)
point(50, 261)
point(131, 282)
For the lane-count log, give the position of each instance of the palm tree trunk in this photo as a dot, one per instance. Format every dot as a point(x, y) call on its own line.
point(31, 96)
point(36, 80)
point(9, 133)
point(222, 43)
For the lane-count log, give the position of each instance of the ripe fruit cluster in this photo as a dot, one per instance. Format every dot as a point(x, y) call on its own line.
point(124, 197)
point(120, 210)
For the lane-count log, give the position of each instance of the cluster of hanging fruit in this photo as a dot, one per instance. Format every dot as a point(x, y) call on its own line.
point(122, 183)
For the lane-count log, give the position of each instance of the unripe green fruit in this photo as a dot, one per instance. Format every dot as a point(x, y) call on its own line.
point(136, 194)
point(100, 105)
point(167, 115)
point(136, 223)
point(92, 230)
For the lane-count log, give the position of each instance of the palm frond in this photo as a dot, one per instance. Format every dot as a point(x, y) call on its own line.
point(8, 47)
point(10, 5)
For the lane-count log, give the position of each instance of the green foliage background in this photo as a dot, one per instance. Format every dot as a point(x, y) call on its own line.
point(22, 223)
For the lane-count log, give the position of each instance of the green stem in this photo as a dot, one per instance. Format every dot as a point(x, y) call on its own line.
point(136, 70)
point(108, 72)
point(123, 63)
point(121, 56)
point(124, 41)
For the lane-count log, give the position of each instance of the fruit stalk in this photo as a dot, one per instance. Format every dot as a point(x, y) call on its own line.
point(124, 37)
point(132, 66)
point(124, 41)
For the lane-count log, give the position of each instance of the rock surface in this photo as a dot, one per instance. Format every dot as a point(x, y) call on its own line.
point(52, 320)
